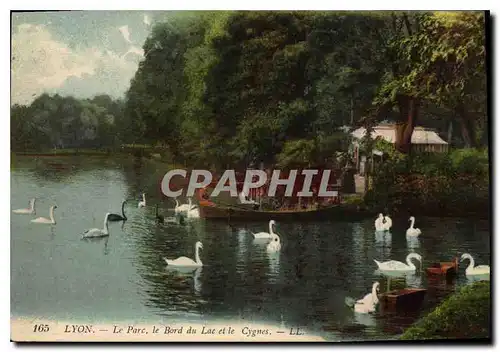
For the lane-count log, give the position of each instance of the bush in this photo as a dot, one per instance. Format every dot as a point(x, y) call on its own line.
point(456, 183)
point(464, 315)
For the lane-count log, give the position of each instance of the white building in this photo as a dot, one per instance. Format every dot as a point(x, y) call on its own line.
point(422, 140)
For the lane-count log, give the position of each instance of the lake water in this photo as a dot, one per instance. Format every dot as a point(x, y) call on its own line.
point(57, 275)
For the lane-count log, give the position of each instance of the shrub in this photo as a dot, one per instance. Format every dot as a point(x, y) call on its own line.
point(453, 183)
point(466, 314)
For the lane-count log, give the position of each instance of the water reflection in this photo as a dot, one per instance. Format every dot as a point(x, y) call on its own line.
point(274, 266)
point(396, 279)
point(103, 240)
point(412, 242)
point(305, 283)
point(365, 319)
point(383, 242)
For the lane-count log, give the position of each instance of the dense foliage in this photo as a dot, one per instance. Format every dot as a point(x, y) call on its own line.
point(447, 183)
point(242, 87)
point(65, 122)
point(464, 315)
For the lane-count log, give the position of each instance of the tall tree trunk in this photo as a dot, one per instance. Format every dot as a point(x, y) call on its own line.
point(467, 126)
point(450, 131)
point(408, 114)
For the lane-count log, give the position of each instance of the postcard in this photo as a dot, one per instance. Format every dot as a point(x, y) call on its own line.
point(250, 176)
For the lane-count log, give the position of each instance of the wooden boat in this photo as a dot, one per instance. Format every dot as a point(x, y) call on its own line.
point(210, 210)
point(402, 300)
point(447, 269)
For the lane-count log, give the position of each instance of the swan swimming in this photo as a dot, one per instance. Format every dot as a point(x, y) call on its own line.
point(411, 230)
point(98, 232)
point(275, 244)
point(266, 234)
point(30, 210)
point(387, 223)
point(42, 220)
point(379, 223)
point(394, 265)
point(193, 211)
point(474, 270)
point(117, 217)
point(368, 303)
point(181, 208)
point(142, 203)
point(185, 261)
point(371, 297)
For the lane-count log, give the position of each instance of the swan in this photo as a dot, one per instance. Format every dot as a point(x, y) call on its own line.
point(98, 232)
point(411, 230)
point(379, 223)
point(42, 220)
point(142, 203)
point(368, 303)
point(275, 244)
point(387, 223)
point(185, 261)
point(181, 208)
point(30, 210)
point(117, 217)
point(266, 234)
point(159, 218)
point(394, 265)
point(193, 211)
point(371, 297)
point(474, 270)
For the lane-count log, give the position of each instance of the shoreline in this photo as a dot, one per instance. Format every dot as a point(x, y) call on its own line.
point(22, 330)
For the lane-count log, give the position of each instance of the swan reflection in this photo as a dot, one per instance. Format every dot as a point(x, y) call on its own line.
point(185, 273)
point(412, 242)
point(383, 241)
point(242, 245)
point(365, 319)
point(274, 266)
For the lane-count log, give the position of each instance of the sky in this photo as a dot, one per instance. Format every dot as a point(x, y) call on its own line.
point(78, 53)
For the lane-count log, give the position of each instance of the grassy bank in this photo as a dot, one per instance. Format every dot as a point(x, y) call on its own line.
point(464, 315)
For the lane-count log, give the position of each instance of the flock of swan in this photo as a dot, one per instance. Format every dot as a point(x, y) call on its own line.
point(392, 267)
point(189, 210)
point(365, 305)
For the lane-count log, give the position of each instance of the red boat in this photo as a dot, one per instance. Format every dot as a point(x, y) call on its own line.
point(443, 268)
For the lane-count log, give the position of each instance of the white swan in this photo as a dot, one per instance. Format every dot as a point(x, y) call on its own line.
point(142, 203)
point(181, 208)
point(394, 265)
point(411, 230)
point(30, 210)
point(185, 261)
point(371, 297)
point(379, 223)
point(474, 270)
point(42, 220)
point(266, 234)
point(368, 303)
point(275, 244)
point(387, 223)
point(193, 211)
point(98, 232)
